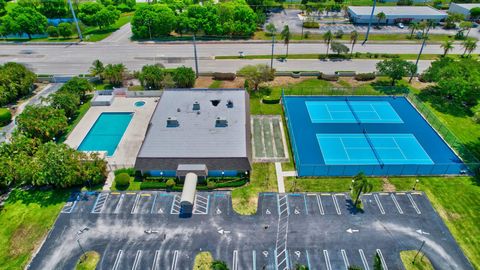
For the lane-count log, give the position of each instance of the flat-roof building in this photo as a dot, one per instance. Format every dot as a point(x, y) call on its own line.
point(463, 9)
point(203, 131)
point(395, 14)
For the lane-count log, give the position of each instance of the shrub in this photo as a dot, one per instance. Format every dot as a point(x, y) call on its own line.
point(224, 76)
point(338, 34)
point(52, 31)
point(327, 77)
point(5, 116)
point(365, 76)
point(322, 57)
point(270, 100)
point(170, 183)
point(211, 185)
point(122, 179)
point(184, 77)
point(306, 34)
point(311, 25)
point(129, 171)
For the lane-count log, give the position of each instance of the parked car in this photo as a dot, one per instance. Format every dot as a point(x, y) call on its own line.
point(400, 25)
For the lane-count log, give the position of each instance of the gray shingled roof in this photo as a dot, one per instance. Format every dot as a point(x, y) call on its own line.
point(197, 135)
point(396, 10)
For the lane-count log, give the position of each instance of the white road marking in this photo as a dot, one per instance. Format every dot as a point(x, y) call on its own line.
point(155, 260)
point(119, 204)
point(413, 203)
point(138, 256)
point(117, 259)
point(320, 205)
point(394, 199)
point(379, 252)
point(364, 260)
point(174, 262)
point(335, 202)
point(235, 260)
point(345, 259)
point(153, 205)
point(254, 260)
point(135, 204)
point(327, 260)
point(379, 204)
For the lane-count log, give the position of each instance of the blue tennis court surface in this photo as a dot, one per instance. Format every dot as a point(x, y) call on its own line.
point(352, 112)
point(383, 135)
point(371, 149)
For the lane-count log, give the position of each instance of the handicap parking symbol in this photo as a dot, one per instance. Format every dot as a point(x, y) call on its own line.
point(265, 253)
point(268, 212)
point(298, 253)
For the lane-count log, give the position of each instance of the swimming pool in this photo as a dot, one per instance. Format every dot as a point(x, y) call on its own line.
point(341, 136)
point(107, 132)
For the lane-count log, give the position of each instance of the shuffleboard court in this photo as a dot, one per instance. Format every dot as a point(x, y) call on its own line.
point(371, 149)
point(352, 112)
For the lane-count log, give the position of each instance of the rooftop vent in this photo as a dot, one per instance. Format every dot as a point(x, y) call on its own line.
point(196, 106)
point(229, 104)
point(215, 102)
point(178, 110)
point(221, 122)
point(172, 122)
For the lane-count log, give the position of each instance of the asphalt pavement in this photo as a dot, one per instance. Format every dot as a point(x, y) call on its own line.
point(147, 230)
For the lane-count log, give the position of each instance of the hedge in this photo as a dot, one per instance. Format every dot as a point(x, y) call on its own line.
point(365, 76)
point(5, 116)
point(221, 76)
point(129, 171)
point(179, 187)
point(311, 24)
point(326, 77)
point(270, 100)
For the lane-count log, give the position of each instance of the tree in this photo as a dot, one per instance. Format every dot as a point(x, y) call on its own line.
point(327, 38)
point(286, 36)
point(360, 185)
point(170, 183)
point(339, 48)
point(377, 262)
point(475, 13)
point(257, 74)
point(470, 45)
point(153, 21)
point(3, 4)
point(95, 14)
point(42, 122)
point(447, 46)
point(380, 17)
point(353, 39)
point(97, 69)
point(16, 81)
point(65, 29)
point(184, 77)
point(271, 29)
point(115, 73)
point(52, 31)
point(466, 26)
point(395, 68)
point(66, 101)
point(53, 8)
point(413, 26)
point(122, 179)
point(452, 19)
point(79, 86)
point(24, 20)
point(151, 77)
point(219, 265)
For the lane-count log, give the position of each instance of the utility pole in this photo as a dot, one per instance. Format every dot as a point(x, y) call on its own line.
point(273, 48)
point(195, 55)
point(76, 21)
point(419, 54)
point(81, 248)
point(370, 21)
point(420, 249)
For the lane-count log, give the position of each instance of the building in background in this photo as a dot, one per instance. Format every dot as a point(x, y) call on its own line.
point(395, 14)
point(463, 9)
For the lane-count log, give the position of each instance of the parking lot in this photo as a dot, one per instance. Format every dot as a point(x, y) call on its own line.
point(145, 230)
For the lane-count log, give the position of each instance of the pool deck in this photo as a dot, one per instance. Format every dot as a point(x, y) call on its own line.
point(129, 145)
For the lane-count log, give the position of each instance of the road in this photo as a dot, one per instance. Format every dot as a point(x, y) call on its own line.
point(75, 59)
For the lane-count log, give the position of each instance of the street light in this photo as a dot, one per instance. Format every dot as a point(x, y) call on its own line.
point(351, 186)
point(415, 185)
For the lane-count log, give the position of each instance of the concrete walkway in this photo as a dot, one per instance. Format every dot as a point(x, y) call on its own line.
point(281, 175)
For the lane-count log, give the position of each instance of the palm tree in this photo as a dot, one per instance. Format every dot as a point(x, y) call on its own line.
point(300, 267)
point(353, 39)
point(97, 68)
point(327, 37)
point(447, 46)
point(413, 26)
point(380, 16)
point(286, 35)
point(469, 45)
point(360, 185)
point(466, 26)
point(423, 26)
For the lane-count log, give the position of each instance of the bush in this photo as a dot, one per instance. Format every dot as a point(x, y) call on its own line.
point(170, 183)
point(52, 31)
point(5, 116)
point(270, 100)
point(338, 34)
point(224, 76)
point(327, 77)
point(307, 34)
point(184, 77)
point(211, 185)
point(365, 76)
point(311, 25)
point(129, 171)
point(122, 179)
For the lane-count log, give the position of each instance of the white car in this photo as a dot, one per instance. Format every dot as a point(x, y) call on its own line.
point(401, 25)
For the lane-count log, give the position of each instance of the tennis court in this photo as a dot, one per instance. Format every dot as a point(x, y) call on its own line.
point(352, 112)
point(377, 135)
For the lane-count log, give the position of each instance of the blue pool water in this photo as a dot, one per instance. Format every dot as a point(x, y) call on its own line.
point(339, 136)
point(106, 133)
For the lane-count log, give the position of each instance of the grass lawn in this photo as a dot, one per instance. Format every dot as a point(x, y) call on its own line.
point(215, 84)
point(330, 184)
point(89, 261)
point(26, 218)
point(134, 185)
point(354, 56)
point(420, 263)
point(263, 179)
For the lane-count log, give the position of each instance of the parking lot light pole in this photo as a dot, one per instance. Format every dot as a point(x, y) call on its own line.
point(81, 248)
point(76, 21)
point(273, 48)
point(370, 21)
point(415, 185)
point(195, 55)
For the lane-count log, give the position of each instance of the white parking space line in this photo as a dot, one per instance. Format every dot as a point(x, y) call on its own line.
point(69, 206)
point(335, 202)
point(153, 205)
point(254, 260)
point(320, 205)
point(175, 205)
point(379, 204)
point(135, 204)
point(117, 260)
point(413, 203)
point(119, 204)
point(201, 204)
point(394, 199)
point(327, 260)
point(235, 260)
point(155, 259)
point(306, 206)
point(138, 256)
point(379, 252)
point(364, 260)
point(345, 259)
point(174, 263)
point(99, 203)
point(308, 259)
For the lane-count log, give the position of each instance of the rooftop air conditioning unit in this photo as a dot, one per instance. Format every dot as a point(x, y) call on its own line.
point(172, 122)
point(221, 122)
point(196, 106)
